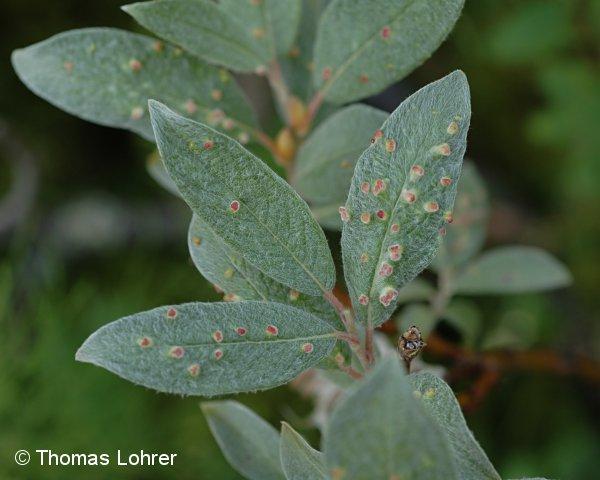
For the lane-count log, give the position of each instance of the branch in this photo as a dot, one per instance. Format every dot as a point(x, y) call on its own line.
point(491, 365)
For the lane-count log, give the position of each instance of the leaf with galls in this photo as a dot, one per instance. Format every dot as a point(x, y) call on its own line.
point(200, 350)
point(245, 203)
point(242, 36)
point(225, 267)
point(272, 23)
point(364, 46)
point(106, 76)
point(403, 234)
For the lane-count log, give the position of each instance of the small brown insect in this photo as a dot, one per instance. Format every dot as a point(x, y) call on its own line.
point(410, 345)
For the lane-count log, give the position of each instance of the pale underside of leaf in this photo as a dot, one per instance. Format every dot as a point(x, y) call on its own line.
point(203, 29)
point(380, 432)
point(106, 76)
point(439, 401)
point(326, 160)
point(249, 444)
point(199, 349)
point(512, 269)
point(227, 269)
point(362, 47)
point(245, 203)
point(299, 460)
point(394, 214)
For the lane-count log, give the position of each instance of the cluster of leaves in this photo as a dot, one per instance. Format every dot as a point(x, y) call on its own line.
point(255, 238)
point(409, 426)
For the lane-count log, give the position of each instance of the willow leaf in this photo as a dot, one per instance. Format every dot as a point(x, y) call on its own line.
point(227, 269)
point(106, 76)
point(512, 269)
point(381, 432)
point(362, 47)
point(299, 460)
point(247, 205)
point(401, 194)
point(272, 23)
point(249, 444)
point(438, 400)
point(211, 348)
point(205, 30)
point(326, 160)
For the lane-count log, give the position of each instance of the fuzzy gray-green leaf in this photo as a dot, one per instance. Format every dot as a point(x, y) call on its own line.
point(272, 23)
point(381, 432)
point(211, 348)
point(326, 160)
point(226, 268)
point(514, 269)
point(466, 235)
point(249, 444)
point(106, 76)
point(204, 29)
point(439, 401)
point(403, 187)
point(299, 460)
point(364, 46)
point(244, 202)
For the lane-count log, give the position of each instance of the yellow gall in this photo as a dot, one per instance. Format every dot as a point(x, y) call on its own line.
point(452, 128)
point(431, 207)
point(443, 149)
point(390, 145)
point(258, 32)
point(136, 113)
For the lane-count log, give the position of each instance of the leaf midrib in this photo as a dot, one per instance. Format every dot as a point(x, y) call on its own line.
point(278, 340)
point(385, 236)
point(276, 237)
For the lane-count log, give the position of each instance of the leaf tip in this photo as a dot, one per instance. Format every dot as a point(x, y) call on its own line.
point(81, 355)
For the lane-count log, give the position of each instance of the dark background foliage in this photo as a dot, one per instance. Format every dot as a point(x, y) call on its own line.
point(86, 237)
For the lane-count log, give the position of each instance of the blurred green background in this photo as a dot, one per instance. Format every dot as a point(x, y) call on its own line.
point(86, 237)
